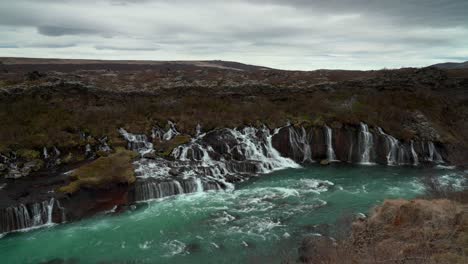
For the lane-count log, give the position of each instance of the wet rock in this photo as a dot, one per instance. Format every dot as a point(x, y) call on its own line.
point(324, 162)
point(192, 248)
point(28, 167)
point(421, 126)
point(316, 249)
point(3, 167)
point(174, 172)
point(61, 261)
point(150, 155)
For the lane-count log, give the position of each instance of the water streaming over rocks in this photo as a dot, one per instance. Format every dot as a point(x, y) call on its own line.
point(137, 142)
point(211, 161)
point(217, 159)
point(29, 216)
point(329, 139)
point(366, 142)
point(353, 144)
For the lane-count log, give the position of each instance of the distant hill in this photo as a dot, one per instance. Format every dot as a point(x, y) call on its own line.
point(452, 65)
point(76, 64)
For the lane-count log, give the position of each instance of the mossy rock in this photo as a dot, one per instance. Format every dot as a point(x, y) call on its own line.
point(99, 174)
point(165, 148)
point(28, 154)
point(101, 153)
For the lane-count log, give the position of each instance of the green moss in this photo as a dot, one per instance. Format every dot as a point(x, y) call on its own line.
point(165, 147)
point(116, 168)
point(102, 153)
point(72, 187)
point(28, 154)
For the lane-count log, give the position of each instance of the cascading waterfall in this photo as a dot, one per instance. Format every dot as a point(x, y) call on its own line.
point(137, 142)
point(365, 144)
point(250, 144)
point(434, 156)
point(210, 162)
point(215, 159)
point(154, 189)
point(199, 185)
point(329, 140)
point(394, 146)
point(171, 133)
point(300, 144)
point(24, 217)
point(198, 130)
point(414, 155)
point(45, 153)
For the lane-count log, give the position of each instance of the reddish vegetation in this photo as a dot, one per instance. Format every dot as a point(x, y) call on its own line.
point(400, 231)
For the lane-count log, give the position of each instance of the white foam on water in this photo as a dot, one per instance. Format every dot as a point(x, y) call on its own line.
point(174, 247)
point(145, 245)
point(445, 167)
point(316, 185)
point(457, 181)
point(214, 244)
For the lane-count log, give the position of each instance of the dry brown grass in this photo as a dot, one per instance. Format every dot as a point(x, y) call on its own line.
point(401, 231)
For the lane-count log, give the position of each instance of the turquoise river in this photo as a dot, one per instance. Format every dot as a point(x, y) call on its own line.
point(262, 221)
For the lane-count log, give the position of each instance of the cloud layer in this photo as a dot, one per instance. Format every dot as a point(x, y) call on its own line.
point(294, 34)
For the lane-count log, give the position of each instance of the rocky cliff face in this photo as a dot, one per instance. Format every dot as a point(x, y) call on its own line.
point(354, 144)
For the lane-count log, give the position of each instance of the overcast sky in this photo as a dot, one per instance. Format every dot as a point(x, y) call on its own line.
point(285, 34)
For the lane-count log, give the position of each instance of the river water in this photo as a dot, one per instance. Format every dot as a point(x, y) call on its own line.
point(262, 221)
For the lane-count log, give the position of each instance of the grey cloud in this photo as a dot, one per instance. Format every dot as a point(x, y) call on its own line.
point(129, 48)
point(61, 31)
point(48, 45)
point(291, 34)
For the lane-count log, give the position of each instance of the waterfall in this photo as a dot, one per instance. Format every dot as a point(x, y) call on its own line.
point(300, 144)
point(211, 162)
point(27, 216)
point(180, 190)
point(171, 133)
point(434, 156)
point(249, 143)
point(414, 155)
point(330, 152)
point(365, 144)
point(394, 145)
point(198, 130)
point(199, 185)
point(137, 142)
point(45, 153)
point(154, 189)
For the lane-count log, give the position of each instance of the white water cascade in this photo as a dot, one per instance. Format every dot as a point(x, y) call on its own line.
point(329, 140)
point(210, 161)
point(24, 217)
point(366, 143)
point(434, 156)
point(137, 142)
point(394, 145)
point(414, 155)
point(300, 144)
